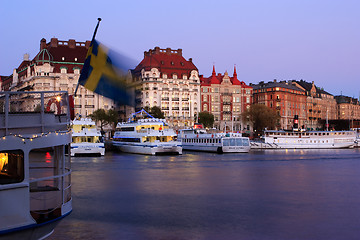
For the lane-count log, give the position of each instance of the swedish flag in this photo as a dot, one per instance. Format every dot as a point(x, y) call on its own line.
point(105, 72)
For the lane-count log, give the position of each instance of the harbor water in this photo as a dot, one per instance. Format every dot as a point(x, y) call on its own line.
point(271, 194)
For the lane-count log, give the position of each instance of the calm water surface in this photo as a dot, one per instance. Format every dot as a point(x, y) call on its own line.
point(272, 194)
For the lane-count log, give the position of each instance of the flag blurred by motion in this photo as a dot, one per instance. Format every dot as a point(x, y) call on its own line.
point(105, 72)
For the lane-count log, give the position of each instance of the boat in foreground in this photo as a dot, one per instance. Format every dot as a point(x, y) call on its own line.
point(273, 139)
point(198, 139)
point(35, 174)
point(86, 139)
point(146, 136)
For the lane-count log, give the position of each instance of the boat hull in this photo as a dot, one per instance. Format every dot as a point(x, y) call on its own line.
point(33, 231)
point(77, 150)
point(257, 145)
point(148, 149)
point(216, 148)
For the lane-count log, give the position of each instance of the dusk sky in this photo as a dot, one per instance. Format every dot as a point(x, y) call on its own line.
point(313, 40)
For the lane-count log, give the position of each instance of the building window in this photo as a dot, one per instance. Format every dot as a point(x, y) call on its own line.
point(205, 90)
point(63, 69)
point(63, 58)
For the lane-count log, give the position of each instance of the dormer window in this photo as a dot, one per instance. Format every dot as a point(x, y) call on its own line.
point(63, 58)
point(75, 59)
point(172, 63)
point(162, 62)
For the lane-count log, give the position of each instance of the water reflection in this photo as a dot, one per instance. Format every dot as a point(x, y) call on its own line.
point(269, 194)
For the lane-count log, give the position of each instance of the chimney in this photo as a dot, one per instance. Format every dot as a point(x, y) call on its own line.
point(179, 51)
point(54, 42)
point(72, 43)
point(274, 80)
point(26, 57)
point(42, 44)
point(190, 59)
point(87, 44)
point(168, 51)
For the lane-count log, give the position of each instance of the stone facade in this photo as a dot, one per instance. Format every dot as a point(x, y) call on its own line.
point(164, 78)
point(226, 98)
point(57, 68)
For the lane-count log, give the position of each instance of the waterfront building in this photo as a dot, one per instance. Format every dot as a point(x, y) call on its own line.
point(226, 98)
point(283, 97)
point(348, 109)
point(164, 78)
point(56, 67)
point(320, 105)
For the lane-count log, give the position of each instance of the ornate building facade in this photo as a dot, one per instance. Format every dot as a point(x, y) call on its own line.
point(285, 98)
point(57, 68)
point(226, 98)
point(164, 78)
point(320, 105)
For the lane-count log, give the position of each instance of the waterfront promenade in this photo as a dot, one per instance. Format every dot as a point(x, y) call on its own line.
point(272, 194)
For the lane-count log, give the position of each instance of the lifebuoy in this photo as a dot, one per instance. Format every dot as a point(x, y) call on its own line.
point(57, 104)
point(212, 135)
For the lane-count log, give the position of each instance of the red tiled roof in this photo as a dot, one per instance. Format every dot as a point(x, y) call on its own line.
point(166, 61)
point(217, 79)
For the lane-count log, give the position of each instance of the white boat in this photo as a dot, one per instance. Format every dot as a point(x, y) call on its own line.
point(35, 174)
point(146, 136)
point(198, 139)
point(305, 140)
point(86, 139)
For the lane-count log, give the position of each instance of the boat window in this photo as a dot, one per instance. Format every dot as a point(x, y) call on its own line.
point(126, 129)
point(226, 142)
point(239, 142)
point(232, 142)
point(11, 167)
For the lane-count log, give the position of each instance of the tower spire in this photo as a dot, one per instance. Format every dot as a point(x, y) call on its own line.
point(235, 74)
point(213, 72)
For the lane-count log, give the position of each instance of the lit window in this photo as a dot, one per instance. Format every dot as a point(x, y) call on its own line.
point(11, 167)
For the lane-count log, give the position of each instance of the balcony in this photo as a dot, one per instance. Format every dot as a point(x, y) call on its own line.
point(175, 108)
point(77, 106)
point(175, 99)
point(165, 99)
point(175, 89)
point(185, 99)
point(165, 89)
point(89, 106)
point(185, 108)
point(226, 112)
point(226, 103)
point(164, 108)
point(278, 108)
point(226, 94)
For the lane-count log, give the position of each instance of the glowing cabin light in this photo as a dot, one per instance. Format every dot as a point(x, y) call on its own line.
point(4, 160)
point(58, 98)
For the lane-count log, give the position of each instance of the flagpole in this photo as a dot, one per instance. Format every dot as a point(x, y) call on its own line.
point(93, 38)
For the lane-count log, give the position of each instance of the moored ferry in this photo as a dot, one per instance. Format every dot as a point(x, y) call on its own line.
point(35, 173)
point(198, 139)
point(146, 136)
point(86, 139)
point(306, 139)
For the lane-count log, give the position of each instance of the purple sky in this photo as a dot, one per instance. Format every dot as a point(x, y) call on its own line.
point(313, 40)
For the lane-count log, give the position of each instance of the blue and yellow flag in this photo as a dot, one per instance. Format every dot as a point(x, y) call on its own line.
point(105, 72)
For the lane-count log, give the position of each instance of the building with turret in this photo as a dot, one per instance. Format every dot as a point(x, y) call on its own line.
point(226, 98)
point(56, 67)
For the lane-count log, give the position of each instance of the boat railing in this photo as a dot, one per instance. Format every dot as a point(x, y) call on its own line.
point(46, 111)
